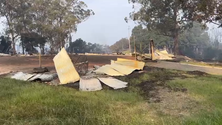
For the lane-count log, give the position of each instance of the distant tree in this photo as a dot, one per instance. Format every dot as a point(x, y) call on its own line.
point(5, 45)
point(142, 37)
point(194, 41)
point(31, 40)
point(121, 45)
point(78, 46)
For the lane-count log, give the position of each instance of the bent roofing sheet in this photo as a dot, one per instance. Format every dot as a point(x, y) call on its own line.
point(65, 68)
point(126, 70)
point(132, 63)
point(113, 83)
point(107, 69)
point(90, 85)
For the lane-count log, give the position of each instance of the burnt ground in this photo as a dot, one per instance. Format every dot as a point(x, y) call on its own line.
point(152, 85)
point(28, 63)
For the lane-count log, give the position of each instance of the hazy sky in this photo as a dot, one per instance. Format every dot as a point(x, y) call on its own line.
point(107, 25)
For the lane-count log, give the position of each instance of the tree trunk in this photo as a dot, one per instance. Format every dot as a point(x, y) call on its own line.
point(14, 50)
point(141, 48)
point(23, 49)
point(176, 44)
point(43, 50)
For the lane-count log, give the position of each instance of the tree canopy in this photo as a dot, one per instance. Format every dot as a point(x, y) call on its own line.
point(142, 37)
point(193, 41)
point(51, 19)
point(120, 46)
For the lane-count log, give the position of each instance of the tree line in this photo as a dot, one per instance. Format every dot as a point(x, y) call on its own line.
point(81, 46)
point(37, 22)
point(194, 43)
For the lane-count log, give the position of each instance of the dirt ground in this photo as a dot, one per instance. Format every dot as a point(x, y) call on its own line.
point(26, 64)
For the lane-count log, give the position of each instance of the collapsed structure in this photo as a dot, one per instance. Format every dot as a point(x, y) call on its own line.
point(92, 80)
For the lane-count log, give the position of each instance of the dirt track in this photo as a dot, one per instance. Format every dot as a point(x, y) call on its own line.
point(187, 67)
point(28, 63)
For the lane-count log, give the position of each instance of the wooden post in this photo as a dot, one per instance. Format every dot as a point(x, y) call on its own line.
point(135, 47)
point(40, 60)
point(152, 49)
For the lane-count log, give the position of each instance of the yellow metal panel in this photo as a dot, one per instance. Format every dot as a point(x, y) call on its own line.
point(126, 70)
point(107, 69)
point(131, 63)
point(65, 68)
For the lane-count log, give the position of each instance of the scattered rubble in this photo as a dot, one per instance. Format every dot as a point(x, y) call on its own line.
point(22, 76)
point(34, 77)
point(40, 70)
point(121, 67)
point(2, 54)
point(163, 55)
point(91, 81)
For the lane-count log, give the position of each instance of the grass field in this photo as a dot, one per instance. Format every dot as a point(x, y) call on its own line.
point(156, 96)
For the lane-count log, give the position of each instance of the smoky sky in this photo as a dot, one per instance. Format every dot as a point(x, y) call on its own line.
point(107, 25)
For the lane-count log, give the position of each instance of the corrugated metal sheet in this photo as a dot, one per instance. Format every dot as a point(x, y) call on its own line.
point(113, 83)
point(65, 68)
point(90, 85)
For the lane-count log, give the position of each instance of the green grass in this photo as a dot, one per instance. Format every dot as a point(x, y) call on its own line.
point(208, 91)
point(23, 103)
point(33, 103)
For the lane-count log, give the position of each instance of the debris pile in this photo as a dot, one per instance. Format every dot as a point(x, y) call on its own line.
point(34, 77)
point(3, 54)
point(163, 55)
point(90, 81)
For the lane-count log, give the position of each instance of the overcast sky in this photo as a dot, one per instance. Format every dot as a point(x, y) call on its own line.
point(107, 25)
